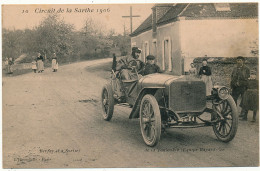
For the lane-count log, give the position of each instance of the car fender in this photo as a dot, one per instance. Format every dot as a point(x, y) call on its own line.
point(147, 90)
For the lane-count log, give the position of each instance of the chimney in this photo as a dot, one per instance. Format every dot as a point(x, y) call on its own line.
point(154, 19)
point(158, 12)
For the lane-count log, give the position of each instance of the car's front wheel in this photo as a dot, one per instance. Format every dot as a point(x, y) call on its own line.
point(150, 120)
point(225, 128)
point(107, 102)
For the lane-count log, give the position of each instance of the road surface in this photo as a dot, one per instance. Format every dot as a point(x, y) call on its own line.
point(53, 120)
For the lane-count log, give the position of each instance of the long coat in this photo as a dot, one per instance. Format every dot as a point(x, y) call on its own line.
point(40, 64)
point(205, 74)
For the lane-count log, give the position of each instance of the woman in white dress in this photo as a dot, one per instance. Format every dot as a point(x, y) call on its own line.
point(54, 63)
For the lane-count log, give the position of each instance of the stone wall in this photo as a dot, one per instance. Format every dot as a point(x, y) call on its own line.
point(222, 68)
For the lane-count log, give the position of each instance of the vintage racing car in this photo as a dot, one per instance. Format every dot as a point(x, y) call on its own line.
point(165, 101)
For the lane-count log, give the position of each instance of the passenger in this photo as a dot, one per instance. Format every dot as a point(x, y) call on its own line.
point(150, 66)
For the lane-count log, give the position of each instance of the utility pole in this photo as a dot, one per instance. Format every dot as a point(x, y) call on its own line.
point(124, 29)
point(131, 18)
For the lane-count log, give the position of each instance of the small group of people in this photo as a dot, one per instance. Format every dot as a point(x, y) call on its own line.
point(142, 68)
point(38, 63)
point(131, 68)
point(239, 85)
point(9, 65)
point(239, 78)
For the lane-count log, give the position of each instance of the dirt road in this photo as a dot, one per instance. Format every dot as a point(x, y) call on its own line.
point(53, 120)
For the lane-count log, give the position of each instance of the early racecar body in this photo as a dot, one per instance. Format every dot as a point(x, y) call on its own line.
point(162, 101)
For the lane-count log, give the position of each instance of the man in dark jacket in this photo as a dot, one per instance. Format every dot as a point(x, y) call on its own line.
point(150, 66)
point(123, 65)
point(239, 78)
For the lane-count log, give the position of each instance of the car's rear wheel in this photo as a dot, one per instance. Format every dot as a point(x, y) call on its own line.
point(107, 102)
point(150, 120)
point(225, 129)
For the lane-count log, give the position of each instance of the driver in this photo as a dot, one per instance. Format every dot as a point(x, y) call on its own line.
point(127, 72)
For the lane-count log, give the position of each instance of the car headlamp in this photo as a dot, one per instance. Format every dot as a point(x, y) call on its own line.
point(223, 93)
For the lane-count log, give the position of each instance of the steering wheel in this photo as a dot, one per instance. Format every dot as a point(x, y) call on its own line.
point(133, 63)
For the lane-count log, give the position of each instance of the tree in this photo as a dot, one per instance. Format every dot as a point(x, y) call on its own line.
point(54, 35)
point(95, 39)
point(12, 43)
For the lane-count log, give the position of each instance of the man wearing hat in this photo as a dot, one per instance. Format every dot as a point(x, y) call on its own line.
point(150, 66)
point(123, 64)
point(239, 78)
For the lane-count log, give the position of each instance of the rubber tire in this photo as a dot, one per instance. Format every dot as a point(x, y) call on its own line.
point(107, 115)
point(234, 125)
point(157, 116)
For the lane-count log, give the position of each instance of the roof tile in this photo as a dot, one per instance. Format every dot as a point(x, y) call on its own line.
point(200, 10)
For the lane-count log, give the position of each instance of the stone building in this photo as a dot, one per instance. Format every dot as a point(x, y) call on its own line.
point(178, 33)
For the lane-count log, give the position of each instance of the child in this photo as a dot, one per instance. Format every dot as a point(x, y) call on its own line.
point(150, 66)
point(34, 67)
point(193, 70)
point(250, 99)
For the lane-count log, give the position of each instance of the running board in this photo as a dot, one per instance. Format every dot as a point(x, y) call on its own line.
point(124, 105)
point(189, 125)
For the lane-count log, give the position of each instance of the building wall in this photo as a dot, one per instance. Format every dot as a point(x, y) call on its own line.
point(217, 38)
point(141, 40)
point(165, 35)
point(170, 33)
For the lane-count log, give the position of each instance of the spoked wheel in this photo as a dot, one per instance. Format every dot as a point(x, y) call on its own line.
point(107, 102)
point(150, 120)
point(225, 129)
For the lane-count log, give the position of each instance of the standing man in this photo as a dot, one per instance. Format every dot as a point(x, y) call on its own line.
point(239, 78)
point(124, 64)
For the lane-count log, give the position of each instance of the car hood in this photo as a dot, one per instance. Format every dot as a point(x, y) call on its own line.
point(158, 80)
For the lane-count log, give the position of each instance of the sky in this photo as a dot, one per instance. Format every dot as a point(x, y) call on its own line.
point(108, 15)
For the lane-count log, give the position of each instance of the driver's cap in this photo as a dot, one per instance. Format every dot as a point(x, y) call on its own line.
point(150, 57)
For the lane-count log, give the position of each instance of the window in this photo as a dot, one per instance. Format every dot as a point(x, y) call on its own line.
point(166, 54)
point(222, 6)
point(146, 50)
point(154, 48)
